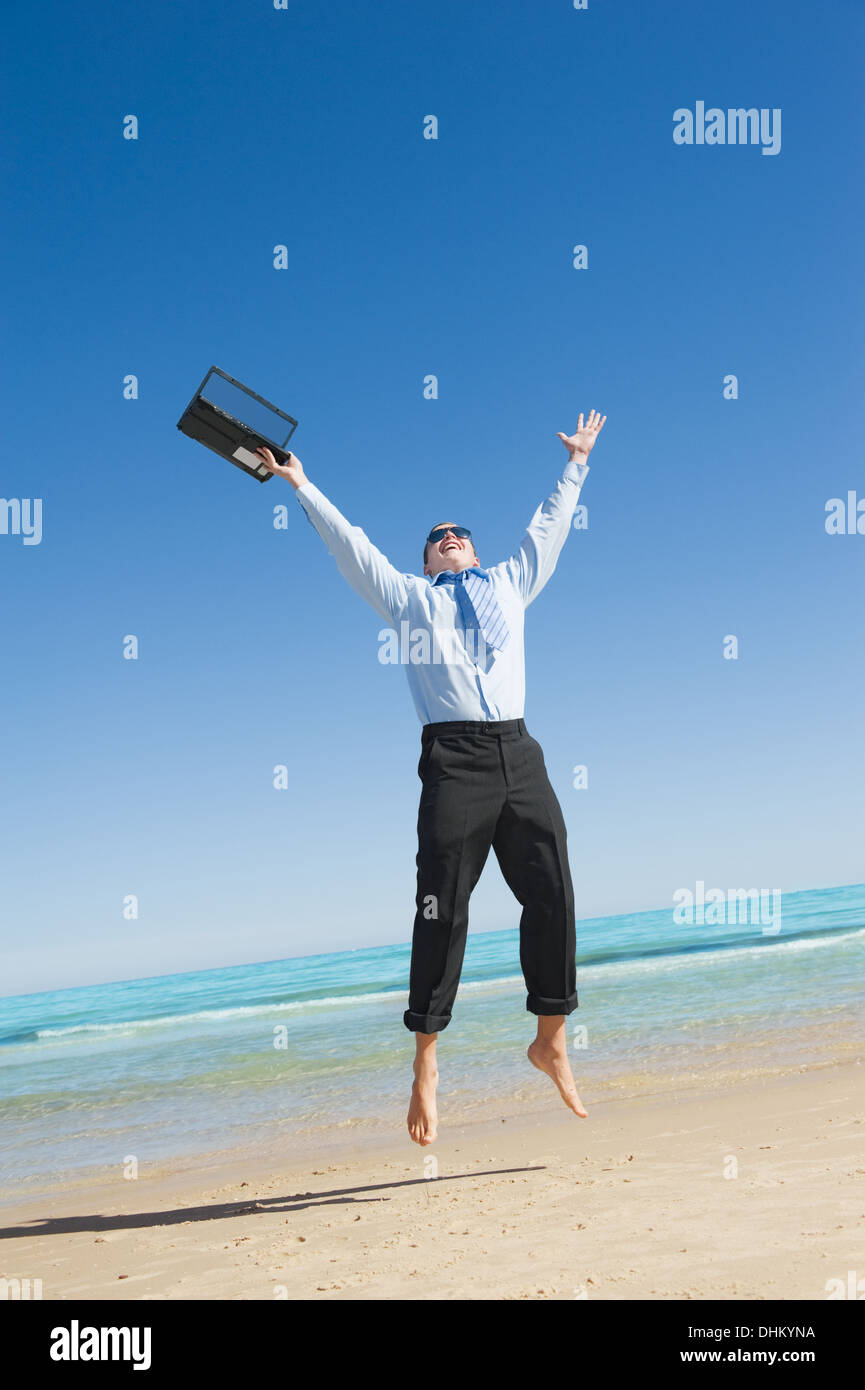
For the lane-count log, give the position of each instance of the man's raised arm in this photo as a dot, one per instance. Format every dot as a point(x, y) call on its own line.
point(368, 571)
point(534, 562)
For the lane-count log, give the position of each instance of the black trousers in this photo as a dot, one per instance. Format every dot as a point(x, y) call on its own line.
point(486, 785)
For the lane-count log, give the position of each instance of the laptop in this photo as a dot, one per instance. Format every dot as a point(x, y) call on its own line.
point(234, 421)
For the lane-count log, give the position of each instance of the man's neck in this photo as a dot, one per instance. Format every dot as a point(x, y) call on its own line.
point(467, 569)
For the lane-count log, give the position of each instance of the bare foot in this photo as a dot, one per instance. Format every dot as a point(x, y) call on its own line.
point(552, 1058)
point(422, 1118)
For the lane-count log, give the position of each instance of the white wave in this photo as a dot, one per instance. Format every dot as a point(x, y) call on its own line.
point(685, 958)
point(133, 1025)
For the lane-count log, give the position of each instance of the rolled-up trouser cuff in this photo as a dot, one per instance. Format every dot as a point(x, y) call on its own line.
point(425, 1023)
point(536, 1004)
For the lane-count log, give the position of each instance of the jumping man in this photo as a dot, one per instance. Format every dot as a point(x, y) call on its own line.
point(484, 781)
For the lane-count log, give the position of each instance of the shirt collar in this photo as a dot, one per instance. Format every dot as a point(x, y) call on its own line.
point(472, 569)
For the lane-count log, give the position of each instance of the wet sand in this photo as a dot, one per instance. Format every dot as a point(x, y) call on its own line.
point(754, 1191)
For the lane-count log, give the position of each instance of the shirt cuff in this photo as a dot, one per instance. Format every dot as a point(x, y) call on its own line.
point(576, 471)
point(306, 495)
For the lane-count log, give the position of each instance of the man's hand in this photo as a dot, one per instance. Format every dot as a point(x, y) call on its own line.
point(580, 444)
point(292, 470)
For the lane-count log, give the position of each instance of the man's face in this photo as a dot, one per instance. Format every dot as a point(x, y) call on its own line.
point(450, 552)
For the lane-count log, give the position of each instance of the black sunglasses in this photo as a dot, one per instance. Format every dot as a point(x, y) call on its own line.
point(462, 533)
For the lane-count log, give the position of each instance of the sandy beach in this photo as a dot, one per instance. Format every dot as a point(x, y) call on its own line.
point(748, 1192)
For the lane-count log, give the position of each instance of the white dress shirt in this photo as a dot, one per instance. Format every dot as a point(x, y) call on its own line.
point(449, 678)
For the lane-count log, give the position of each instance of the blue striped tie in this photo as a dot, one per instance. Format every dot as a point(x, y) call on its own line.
point(478, 604)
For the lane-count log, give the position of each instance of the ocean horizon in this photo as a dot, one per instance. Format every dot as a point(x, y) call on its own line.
point(286, 1051)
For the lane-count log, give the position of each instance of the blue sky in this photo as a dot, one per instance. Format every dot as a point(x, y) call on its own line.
point(407, 256)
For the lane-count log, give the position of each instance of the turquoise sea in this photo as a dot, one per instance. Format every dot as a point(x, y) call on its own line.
point(281, 1052)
